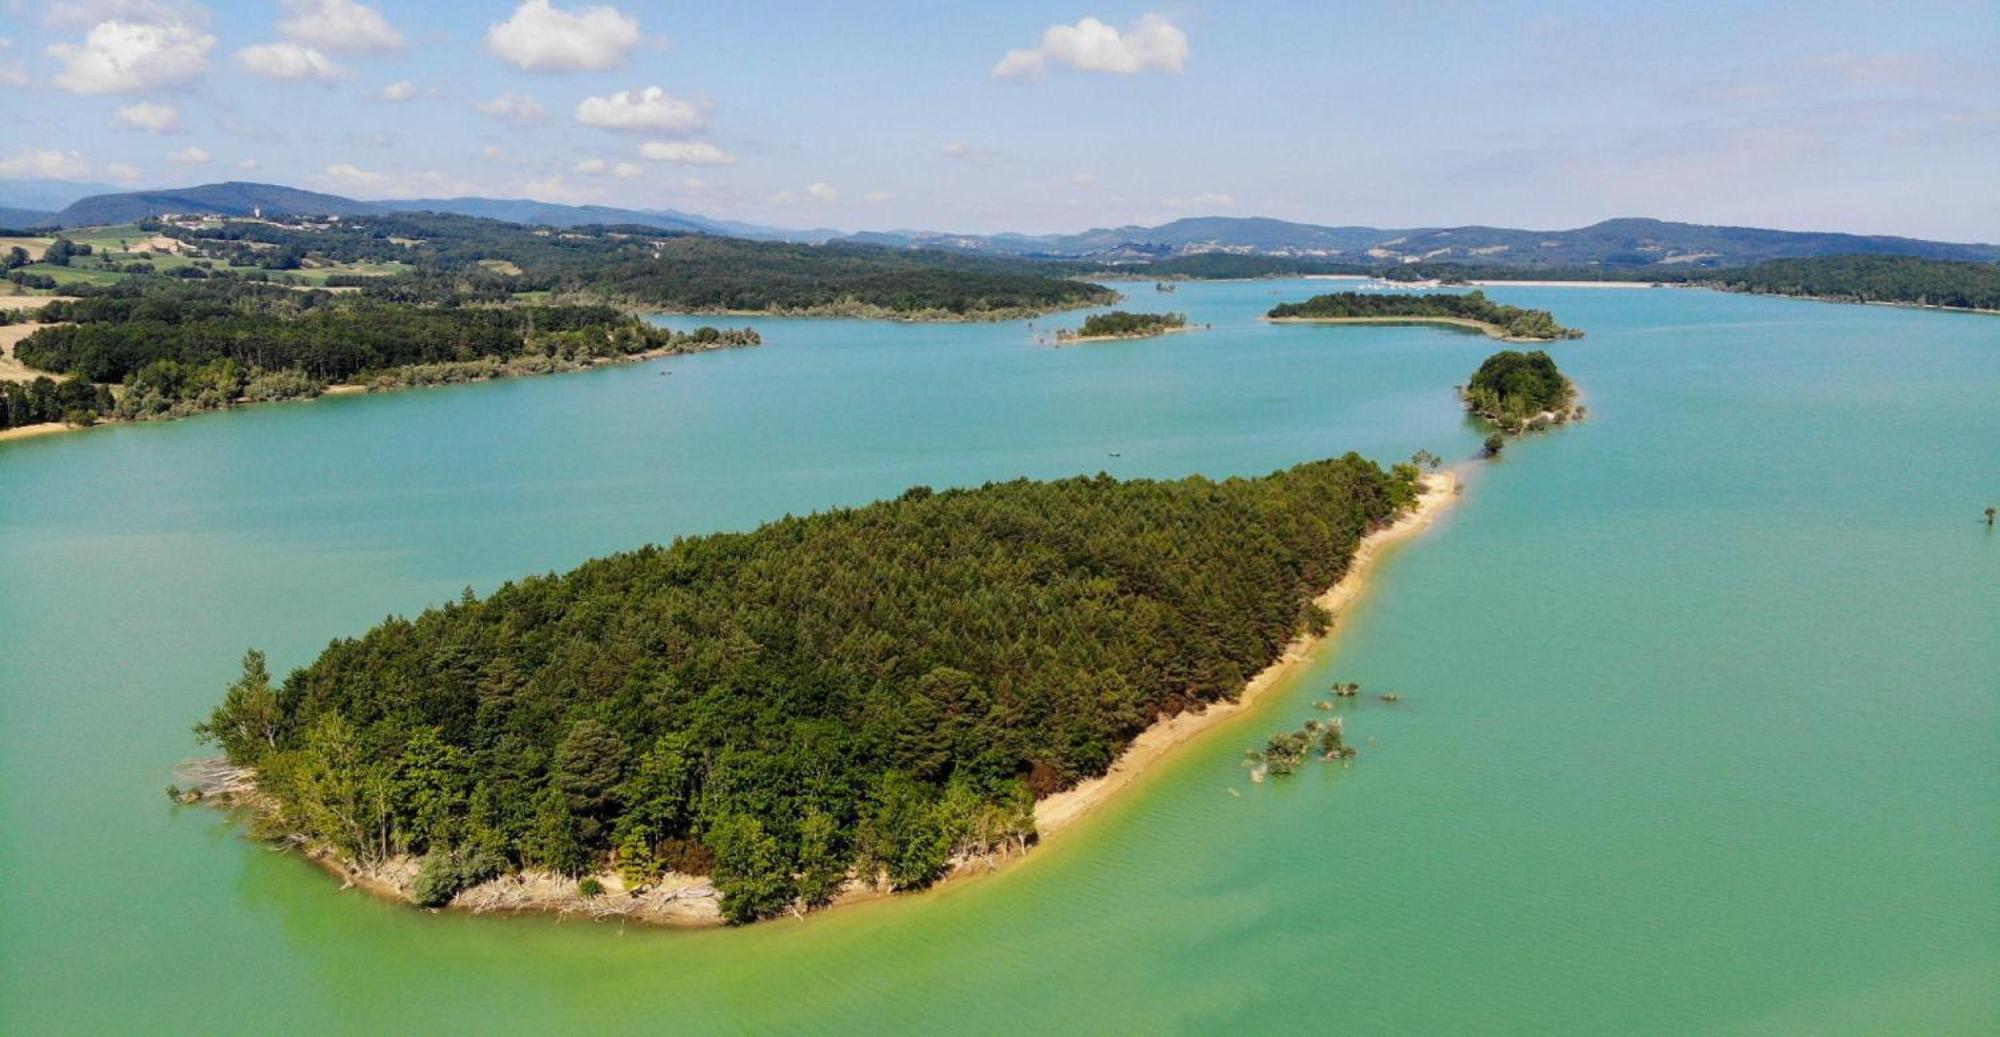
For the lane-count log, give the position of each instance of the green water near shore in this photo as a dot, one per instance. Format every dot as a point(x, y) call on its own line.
point(1700, 730)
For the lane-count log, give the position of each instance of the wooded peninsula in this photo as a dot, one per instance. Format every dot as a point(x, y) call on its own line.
point(1469, 309)
point(855, 698)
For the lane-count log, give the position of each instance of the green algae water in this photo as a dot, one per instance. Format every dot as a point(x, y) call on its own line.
point(1700, 726)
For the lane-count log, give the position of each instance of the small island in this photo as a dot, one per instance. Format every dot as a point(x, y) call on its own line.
point(1520, 392)
point(743, 725)
point(1119, 324)
point(1464, 310)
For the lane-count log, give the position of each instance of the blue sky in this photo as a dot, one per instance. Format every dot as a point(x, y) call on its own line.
point(1865, 117)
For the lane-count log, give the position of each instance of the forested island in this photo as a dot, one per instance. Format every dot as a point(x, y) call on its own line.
point(1521, 392)
point(1104, 327)
point(854, 699)
point(177, 347)
point(1470, 309)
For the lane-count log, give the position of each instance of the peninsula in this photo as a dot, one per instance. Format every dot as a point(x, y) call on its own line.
point(740, 725)
point(1467, 310)
point(1119, 324)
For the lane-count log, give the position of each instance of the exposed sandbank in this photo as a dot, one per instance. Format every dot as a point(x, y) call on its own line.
point(1494, 331)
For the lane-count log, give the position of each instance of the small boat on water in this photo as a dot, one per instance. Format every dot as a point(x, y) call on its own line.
point(1116, 453)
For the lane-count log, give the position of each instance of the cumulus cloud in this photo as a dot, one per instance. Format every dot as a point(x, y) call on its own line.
point(248, 165)
point(288, 61)
point(123, 172)
point(490, 152)
point(651, 110)
point(541, 37)
point(192, 155)
point(340, 26)
point(686, 153)
point(591, 166)
point(512, 107)
point(78, 14)
point(400, 90)
point(1152, 43)
point(1205, 200)
point(820, 193)
point(150, 116)
point(117, 57)
point(627, 171)
point(877, 197)
point(348, 177)
point(44, 164)
point(12, 73)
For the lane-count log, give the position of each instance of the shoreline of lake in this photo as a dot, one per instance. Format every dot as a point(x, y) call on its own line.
point(1492, 331)
point(692, 901)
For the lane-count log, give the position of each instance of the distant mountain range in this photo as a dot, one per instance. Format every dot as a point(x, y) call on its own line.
point(1613, 243)
point(1620, 242)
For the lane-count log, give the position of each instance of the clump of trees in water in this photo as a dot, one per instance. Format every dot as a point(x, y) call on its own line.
point(1520, 392)
point(1121, 324)
point(1286, 751)
point(866, 692)
point(1512, 321)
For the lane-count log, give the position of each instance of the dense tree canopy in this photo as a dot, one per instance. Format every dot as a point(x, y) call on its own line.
point(1121, 324)
point(1512, 388)
point(869, 690)
point(1900, 279)
point(1473, 306)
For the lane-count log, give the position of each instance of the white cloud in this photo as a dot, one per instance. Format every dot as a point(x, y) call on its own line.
point(1092, 46)
point(348, 177)
point(512, 107)
point(541, 37)
point(44, 164)
point(288, 61)
point(116, 57)
point(400, 90)
point(490, 152)
point(151, 116)
point(627, 171)
point(591, 166)
point(12, 73)
point(877, 197)
point(651, 110)
point(820, 193)
point(956, 149)
point(1205, 200)
point(192, 155)
point(78, 14)
point(339, 25)
point(123, 172)
point(686, 153)
point(694, 183)
point(1083, 179)
point(248, 165)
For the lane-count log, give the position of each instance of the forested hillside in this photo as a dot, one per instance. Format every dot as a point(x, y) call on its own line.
point(866, 691)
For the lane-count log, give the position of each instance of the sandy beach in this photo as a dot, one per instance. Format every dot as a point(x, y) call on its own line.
point(1567, 284)
point(1492, 331)
point(1059, 811)
point(1077, 340)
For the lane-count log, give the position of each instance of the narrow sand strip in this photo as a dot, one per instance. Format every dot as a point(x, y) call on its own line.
point(1056, 812)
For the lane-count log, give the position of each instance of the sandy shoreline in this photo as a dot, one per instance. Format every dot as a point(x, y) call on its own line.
point(1056, 812)
point(693, 901)
point(1492, 331)
point(1077, 340)
point(1567, 284)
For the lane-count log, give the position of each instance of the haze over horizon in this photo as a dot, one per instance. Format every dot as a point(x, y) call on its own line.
point(1041, 117)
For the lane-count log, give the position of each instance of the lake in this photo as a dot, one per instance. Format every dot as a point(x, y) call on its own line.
point(1700, 727)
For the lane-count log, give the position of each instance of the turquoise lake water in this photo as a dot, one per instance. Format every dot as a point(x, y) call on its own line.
point(1700, 730)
